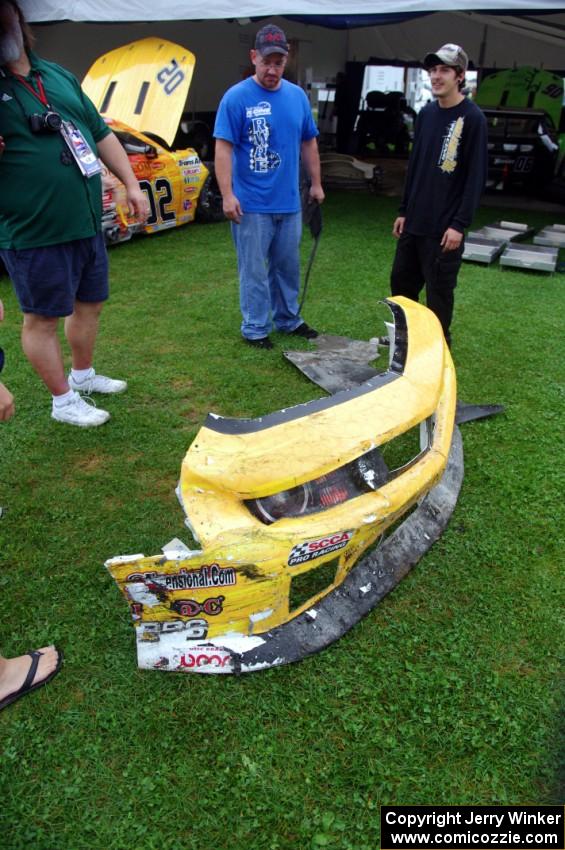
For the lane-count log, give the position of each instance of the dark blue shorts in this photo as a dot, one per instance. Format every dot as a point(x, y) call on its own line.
point(49, 280)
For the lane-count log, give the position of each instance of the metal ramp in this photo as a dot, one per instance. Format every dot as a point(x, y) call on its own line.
point(478, 249)
point(553, 235)
point(504, 239)
point(504, 231)
point(537, 257)
point(486, 244)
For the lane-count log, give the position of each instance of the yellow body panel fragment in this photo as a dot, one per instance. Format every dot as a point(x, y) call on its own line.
point(239, 586)
point(305, 448)
point(144, 84)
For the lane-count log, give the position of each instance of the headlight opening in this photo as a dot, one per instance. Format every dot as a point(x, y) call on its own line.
point(365, 474)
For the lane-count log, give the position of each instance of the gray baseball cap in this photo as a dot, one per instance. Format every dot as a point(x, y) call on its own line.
point(271, 39)
point(449, 54)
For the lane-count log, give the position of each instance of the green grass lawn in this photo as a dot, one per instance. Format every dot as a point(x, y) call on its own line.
point(448, 692)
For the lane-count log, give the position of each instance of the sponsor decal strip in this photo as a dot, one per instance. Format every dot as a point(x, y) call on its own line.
point(209, 575)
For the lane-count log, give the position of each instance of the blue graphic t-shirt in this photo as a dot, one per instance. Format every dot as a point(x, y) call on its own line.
point(266, 129)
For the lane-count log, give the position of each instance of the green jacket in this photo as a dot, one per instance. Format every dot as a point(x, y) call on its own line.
point(44, 201)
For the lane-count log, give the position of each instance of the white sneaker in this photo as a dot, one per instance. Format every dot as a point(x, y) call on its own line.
point(97, 384)
point(81, 412)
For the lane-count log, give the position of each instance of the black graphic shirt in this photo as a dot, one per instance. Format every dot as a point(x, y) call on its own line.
point(447, 169)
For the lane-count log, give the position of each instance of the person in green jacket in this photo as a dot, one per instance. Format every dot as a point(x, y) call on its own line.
point(51, 141)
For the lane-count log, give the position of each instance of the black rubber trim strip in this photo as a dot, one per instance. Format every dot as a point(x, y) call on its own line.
point(470, 412)
point(108, 97)
point(141, 98)
point(223, 425)
point(249, 426)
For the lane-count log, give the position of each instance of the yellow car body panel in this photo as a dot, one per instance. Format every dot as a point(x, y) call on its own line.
point(140, 89)
point(337, 432)
point(194, 612)
point(144, 84)
point(172, 181)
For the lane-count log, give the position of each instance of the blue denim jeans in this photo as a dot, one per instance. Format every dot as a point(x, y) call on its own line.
point(268, 260)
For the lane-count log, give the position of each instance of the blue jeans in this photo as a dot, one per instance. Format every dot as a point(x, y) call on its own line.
point(268, 261)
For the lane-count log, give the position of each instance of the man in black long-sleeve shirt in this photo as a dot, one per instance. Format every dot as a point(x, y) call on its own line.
point(446, 175)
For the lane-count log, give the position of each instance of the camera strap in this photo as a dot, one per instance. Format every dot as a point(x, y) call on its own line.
point(87, 161)
point(40, 93)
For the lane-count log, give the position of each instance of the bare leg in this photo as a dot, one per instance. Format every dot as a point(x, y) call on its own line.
point(13, 671)
point(81, 329)
point(42, 348)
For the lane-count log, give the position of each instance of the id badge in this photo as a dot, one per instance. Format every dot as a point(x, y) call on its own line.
point(84, 156)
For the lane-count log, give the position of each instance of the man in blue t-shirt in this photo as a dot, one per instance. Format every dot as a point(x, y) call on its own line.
point(446, 175)
point(263, 127)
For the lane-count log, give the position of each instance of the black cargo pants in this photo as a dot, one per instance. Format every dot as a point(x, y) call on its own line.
point(420, 261)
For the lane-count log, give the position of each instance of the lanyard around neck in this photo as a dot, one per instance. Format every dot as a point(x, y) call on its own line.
point(40, 94)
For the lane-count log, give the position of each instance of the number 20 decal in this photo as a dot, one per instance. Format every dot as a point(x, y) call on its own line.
point(158, 197)
point(170, 76)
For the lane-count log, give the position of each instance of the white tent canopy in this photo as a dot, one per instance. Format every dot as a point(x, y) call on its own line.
point(166, 10)
point(491, 41)
point(76, 33)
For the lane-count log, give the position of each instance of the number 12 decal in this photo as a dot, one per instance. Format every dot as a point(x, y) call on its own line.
point(158, 198)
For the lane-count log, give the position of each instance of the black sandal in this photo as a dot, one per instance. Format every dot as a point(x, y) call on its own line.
point(27, 686)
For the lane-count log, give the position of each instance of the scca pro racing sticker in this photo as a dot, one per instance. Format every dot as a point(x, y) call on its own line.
point(303, 552)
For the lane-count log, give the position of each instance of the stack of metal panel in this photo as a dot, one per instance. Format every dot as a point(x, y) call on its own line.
point(506, 231)
point(553, 235)
point(481, 250)
point(486, 244)
point(539, 257)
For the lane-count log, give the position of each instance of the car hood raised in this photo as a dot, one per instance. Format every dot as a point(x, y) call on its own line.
point(143, 84)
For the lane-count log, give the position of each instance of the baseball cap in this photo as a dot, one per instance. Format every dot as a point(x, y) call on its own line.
point(449, 54)
point(271, 39)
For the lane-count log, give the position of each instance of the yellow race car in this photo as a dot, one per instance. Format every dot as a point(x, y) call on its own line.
point(286, 507)
point(140, 90)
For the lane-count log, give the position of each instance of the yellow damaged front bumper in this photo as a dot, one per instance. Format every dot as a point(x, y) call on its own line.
point(206, 611)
